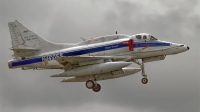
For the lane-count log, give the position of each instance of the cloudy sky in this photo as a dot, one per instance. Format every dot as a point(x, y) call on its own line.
point(174, 84)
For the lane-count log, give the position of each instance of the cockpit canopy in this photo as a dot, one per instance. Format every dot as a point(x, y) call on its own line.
point(145, 37)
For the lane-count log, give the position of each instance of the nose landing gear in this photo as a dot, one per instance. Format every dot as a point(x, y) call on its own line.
point(144, 79)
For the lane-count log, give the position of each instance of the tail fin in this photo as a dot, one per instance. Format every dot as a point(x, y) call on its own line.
point(27, 43)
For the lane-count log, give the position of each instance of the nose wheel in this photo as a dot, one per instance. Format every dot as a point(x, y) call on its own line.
point(90, 84)
point(144, 80)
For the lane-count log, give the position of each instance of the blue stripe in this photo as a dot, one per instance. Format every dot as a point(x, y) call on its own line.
point(90, 50)
point(150, 44)
point(27, 61)
point(96, 49)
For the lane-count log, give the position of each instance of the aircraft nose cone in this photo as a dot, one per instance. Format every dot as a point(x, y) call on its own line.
point(188, 47)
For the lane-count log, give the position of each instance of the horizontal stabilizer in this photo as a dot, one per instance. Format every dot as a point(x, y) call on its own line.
point(24, 49)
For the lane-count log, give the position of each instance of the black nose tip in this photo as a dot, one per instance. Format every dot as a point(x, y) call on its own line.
point(188, 47)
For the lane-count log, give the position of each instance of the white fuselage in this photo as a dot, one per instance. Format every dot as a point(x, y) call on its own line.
point(141, 48)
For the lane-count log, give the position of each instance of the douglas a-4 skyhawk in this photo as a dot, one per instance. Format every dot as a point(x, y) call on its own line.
point(91, 60)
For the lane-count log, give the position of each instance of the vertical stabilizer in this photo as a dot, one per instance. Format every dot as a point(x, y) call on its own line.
point(16, 37)
point(23, 38)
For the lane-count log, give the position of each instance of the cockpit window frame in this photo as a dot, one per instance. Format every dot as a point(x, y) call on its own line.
point(144, 37)
point(153, 38)
point(139, 37)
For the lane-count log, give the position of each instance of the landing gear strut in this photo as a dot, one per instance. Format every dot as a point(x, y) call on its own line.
point(90, 84)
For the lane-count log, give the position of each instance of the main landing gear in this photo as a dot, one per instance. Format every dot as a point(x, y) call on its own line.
point(144, 79)
point(93, 85)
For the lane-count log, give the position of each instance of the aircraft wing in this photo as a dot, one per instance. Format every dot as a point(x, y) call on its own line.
point(78, 61)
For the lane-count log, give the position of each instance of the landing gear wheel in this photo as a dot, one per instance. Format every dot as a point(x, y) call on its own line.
point(89, 84)
point(144, 80)
point(96, 88)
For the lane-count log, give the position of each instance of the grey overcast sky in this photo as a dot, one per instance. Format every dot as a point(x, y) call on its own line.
point(174, 84)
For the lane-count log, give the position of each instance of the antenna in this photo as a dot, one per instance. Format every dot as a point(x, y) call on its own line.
point(83, 39)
